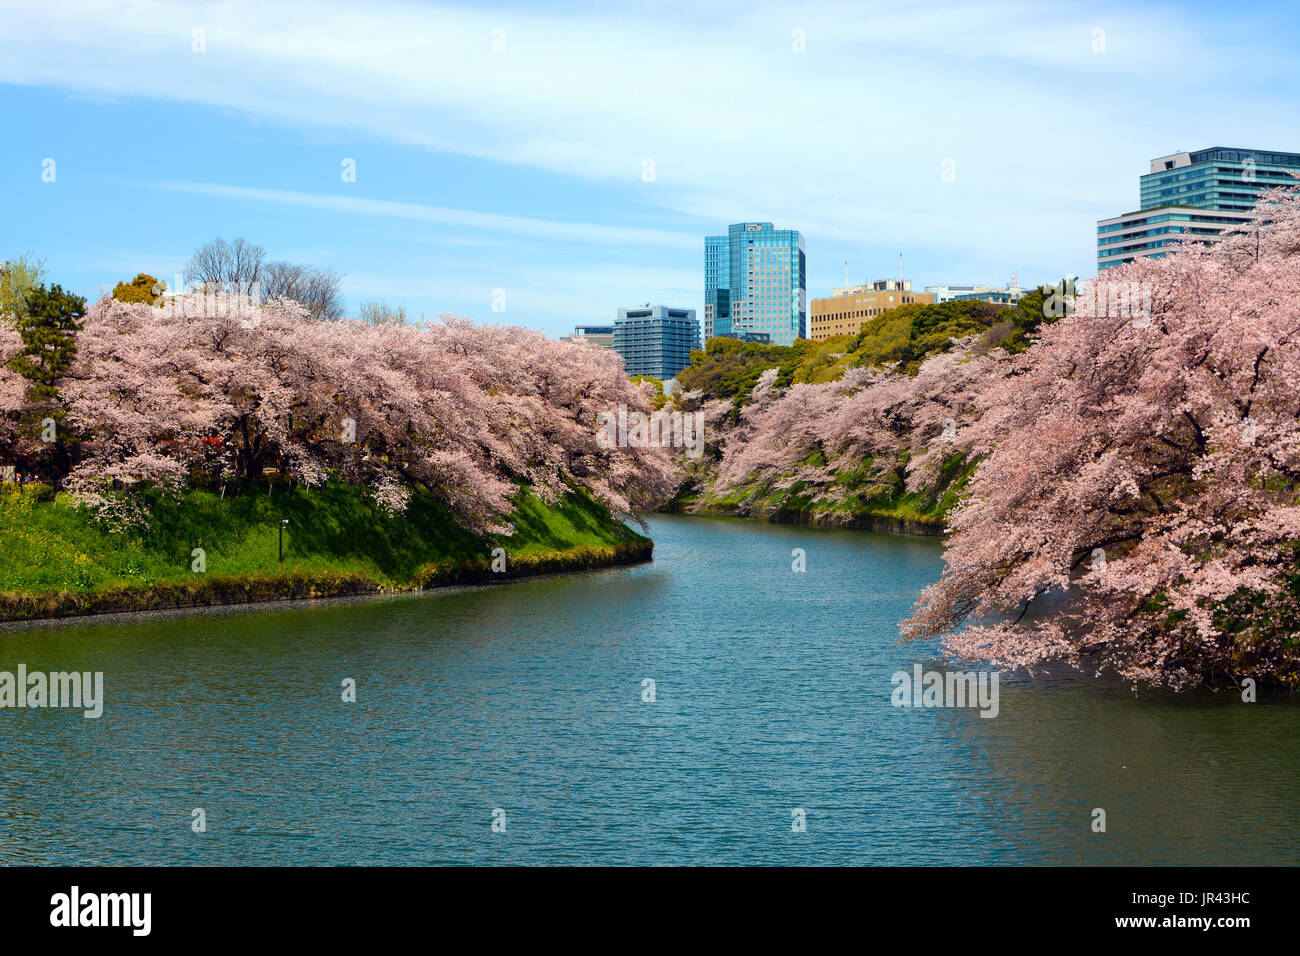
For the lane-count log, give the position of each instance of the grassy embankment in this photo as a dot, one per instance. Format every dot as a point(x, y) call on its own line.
point(56, 561)
point(860, 499)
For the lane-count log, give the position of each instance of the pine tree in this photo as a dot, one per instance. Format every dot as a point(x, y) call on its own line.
point(47, 326)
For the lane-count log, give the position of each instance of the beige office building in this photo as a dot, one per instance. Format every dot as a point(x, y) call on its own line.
point(844, 311)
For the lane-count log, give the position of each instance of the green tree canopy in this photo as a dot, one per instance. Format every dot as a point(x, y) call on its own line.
point(17, 278)
point(143, 288)
point(729, 368)
point(903, 336)
point(658, 399)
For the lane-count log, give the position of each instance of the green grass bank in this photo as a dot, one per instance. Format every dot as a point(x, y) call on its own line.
point(864, 498)
point(57, 561)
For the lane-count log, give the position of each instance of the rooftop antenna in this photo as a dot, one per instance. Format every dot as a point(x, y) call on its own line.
point(846, 275)
point(900, 270)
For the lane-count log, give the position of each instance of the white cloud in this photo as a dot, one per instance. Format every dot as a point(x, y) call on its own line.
point(580, 232)
point(845, 141)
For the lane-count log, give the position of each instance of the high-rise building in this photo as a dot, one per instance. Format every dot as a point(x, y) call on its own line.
point(656, 340)
point(844, 311)
point(1192, 195)
point(755, 280)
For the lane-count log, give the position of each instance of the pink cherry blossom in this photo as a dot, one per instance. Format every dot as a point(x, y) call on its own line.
point(233, 389)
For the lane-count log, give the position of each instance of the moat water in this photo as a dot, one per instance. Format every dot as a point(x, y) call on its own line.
point(771, 737)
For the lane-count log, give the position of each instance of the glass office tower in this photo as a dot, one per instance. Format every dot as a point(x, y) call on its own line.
point(1192, 195)
point(755, 282)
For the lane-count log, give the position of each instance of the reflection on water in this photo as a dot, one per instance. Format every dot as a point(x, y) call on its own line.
point(772, 694)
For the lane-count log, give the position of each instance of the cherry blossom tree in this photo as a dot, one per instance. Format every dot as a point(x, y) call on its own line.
point(13, 393)
point(225, 386)
point(891, 429)
point(1136, 509)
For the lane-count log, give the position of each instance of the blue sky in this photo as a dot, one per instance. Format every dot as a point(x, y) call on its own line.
point(522, 168)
